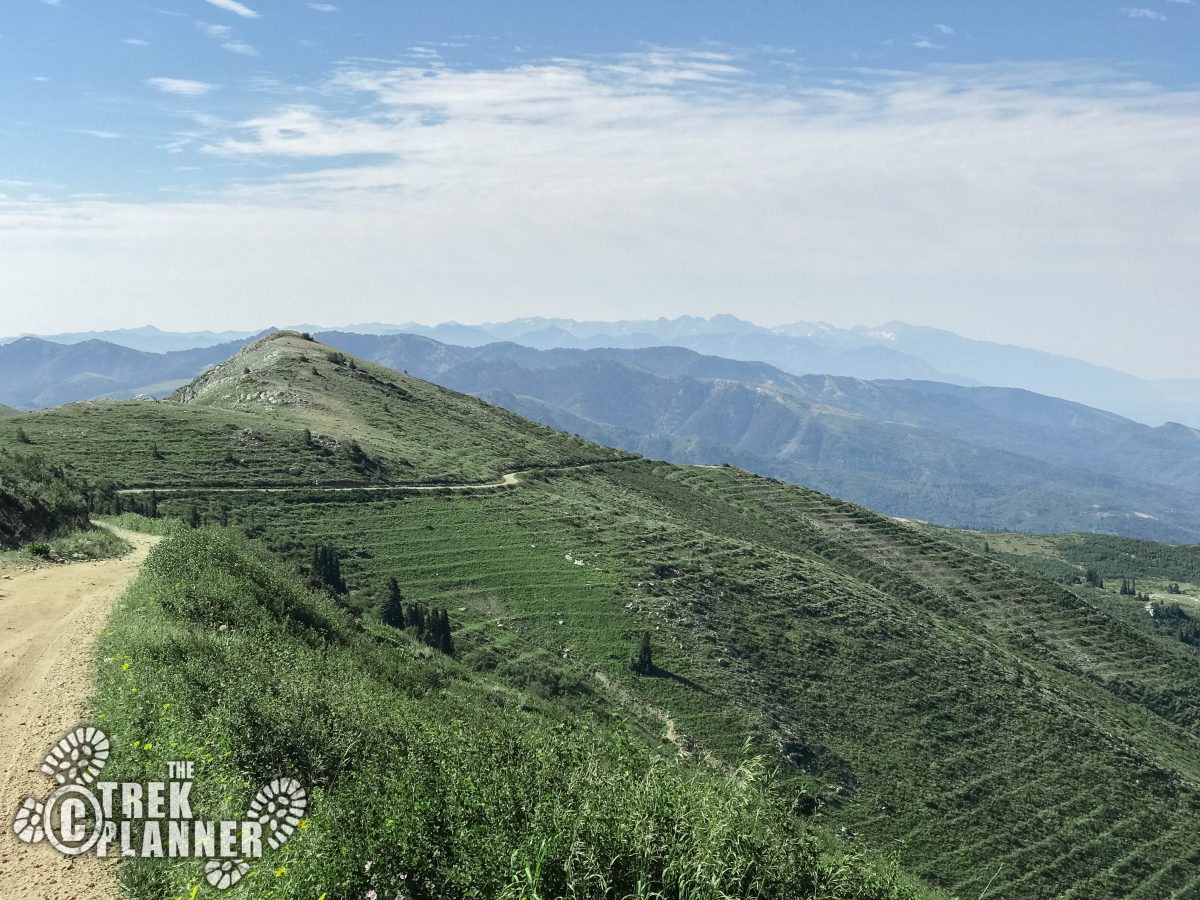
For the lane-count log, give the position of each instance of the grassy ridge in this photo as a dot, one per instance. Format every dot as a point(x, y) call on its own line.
point(919, 695)
point(288, 412)
point(426, 781)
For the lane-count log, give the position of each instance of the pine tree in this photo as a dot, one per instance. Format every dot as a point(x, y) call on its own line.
point(152, 508)
point(416, 618)
point(22, 437)
point(643, 663)
point(445, 639)
point(393, 606)
point(194, 517)
point(327, 569)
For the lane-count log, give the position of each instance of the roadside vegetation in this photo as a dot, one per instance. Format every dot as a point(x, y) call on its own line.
point(75, 546)
point(37, 500)
point(426, 780)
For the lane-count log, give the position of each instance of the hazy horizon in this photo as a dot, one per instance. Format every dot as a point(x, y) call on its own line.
point(215, 165)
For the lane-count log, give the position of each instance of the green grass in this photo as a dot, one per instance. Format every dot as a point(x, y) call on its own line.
point(75, 546)
point(909, 691)
point(144, 525)
point(927, 698)
point(37, 500)
point(427, 780)
point(295, 418)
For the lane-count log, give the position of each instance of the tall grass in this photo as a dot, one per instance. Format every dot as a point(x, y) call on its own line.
point(426, 780)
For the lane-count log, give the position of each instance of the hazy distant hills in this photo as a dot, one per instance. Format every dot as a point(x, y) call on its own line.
point(892, 351)
point(995, 458)
point(147, 338)
point(37, 373)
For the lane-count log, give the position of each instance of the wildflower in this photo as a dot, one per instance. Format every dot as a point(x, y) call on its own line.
point(367, 867)
point(281, 871)
point(371, 895)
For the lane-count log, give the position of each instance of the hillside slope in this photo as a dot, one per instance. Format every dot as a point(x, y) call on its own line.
point(914, 694)
point(971, 457)
point(36, 500)
point(288, 411)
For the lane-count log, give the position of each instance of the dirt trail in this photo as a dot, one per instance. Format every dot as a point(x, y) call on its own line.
point(50, 619)
point(509, 479)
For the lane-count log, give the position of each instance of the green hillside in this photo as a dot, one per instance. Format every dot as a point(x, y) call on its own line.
point(994, 458)
point(8, 411)
point(914, 694)
point(36, 500)
point(288, 411)
point(428, 781)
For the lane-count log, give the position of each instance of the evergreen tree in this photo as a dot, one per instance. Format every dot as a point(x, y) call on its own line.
point(22, 437)
point(193, 517)
point(393, 606)
point(643, 663)
point(327, 569)
point(445, 639)
point(416, 618)
point(152, 506)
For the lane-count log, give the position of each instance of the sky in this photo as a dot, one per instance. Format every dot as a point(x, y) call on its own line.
point(1022, 172)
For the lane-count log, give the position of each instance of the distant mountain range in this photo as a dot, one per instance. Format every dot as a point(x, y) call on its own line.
point(982, 457)
point(147, 338)
point(37, 373)
point(893, 351)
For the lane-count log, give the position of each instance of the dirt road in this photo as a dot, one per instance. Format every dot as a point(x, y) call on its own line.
point(508, 480)
point(50, 620)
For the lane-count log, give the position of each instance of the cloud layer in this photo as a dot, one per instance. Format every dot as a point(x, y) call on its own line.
point(670, 181)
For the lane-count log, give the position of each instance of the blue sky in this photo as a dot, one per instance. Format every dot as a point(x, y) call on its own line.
point(1020, 171)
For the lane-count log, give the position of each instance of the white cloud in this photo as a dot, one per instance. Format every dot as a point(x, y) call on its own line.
point(980, 198)
point(135, 42)
point(234, 7)
point(240, 47)
point(924, 43)
point(323, 7)
point(103, 135)
point(182, 86)
point(1140, 12)
point(944, 29)
point(1184, 2)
